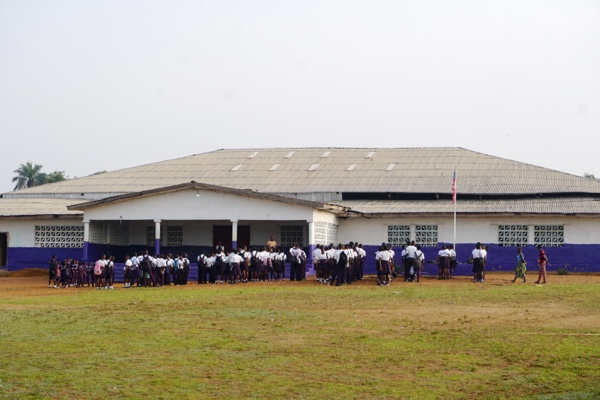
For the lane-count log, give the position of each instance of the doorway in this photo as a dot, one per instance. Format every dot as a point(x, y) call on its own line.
point(222, 233)
point(3, 249)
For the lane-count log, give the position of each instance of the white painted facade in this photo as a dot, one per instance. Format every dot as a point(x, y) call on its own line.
point(470, 229)
point(21, 232)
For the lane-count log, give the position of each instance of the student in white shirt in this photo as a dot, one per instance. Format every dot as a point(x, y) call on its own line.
point(477, 256)
point(384, 256)
point(409, 261)
point(419, 259)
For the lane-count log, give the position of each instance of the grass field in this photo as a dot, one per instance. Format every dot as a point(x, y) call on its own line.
point(288, 340)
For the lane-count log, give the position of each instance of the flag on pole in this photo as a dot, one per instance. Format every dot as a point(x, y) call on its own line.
point(454, 187)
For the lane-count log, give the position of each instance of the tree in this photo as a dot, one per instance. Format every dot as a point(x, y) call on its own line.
point(28, 175)
point(55, 176)
point(588, 175)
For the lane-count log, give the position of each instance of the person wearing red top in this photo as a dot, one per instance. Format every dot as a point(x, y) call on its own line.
point(542, 262)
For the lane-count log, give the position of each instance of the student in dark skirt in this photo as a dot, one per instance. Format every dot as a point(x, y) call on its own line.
point(53, 272)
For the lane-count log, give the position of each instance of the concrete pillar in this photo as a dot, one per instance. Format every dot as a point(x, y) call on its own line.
point(311, 248)
point(234, 237)
point(157, 236)
point(86, 240)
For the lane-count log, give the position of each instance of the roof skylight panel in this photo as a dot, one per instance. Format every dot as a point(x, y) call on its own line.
point(253, 154)
point(352, 167)
point(391, 167)
point(326, 154)
point(290, 154)
point(313, 167)
point(236, 167)
point(370, 155)
point(274, 167)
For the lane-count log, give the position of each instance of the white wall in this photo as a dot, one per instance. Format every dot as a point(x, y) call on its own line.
point(578, 230)
point(21, 232)
point(187, 205)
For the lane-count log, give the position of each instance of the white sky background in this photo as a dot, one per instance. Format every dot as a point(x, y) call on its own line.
point(101, 85)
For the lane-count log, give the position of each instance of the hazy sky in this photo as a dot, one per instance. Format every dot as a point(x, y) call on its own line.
point(100, 85)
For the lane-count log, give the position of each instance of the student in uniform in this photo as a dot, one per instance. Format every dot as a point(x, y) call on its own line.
point(295, 263)
point(145, 270)
point(341, 259)
point(409, 261)
point(419, 259)
point(362, 254)
point(127, 272)
point(477, 263)
point(453, 261)
point(236, 273)
point(201, 269)
point(443, 262)
point(384, 257)
point(220, 264)
point(247, 255)
point(484, 253)
point(161, 270)
point(331, 265)
point(99, 271)
point(109, 272)
point(211, 269)
point(52, 272)
point(319, 258)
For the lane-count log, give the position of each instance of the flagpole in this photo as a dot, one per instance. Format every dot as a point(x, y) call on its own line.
point(454, 195)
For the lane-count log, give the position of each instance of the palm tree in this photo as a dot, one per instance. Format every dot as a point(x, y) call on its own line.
point(28, 175)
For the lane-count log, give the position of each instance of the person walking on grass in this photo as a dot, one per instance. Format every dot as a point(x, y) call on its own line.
point(521, 266)
point(542, 262)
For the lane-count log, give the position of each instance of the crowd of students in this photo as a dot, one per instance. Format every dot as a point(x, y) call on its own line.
point(334, 265)
point(72, 273)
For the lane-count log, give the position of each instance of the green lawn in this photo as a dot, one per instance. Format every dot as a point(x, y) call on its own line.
point(436, 340)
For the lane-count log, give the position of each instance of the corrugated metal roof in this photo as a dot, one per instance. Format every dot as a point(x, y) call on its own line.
point(37, 207)
point(563, 206)
point(204, 187)
point(416, 170)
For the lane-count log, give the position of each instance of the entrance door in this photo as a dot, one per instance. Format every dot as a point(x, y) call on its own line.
point(222, 233)
point(243, 236)
point(3, 248)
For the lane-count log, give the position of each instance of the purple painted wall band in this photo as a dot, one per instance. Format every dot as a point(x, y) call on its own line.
point(156, 246)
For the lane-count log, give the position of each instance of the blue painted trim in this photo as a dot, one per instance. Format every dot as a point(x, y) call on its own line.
point(156, 246)
point(573, 257)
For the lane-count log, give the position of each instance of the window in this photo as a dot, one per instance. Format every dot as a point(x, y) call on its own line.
point(512, 235)
point(426, 235)
point(398, 234)
point(174, 236)
point(549, 235)
point(150, 236)
point(325, 233)
point(59, 236)
point(291, 234)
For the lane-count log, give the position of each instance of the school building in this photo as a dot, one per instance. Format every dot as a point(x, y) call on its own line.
point(310, 196)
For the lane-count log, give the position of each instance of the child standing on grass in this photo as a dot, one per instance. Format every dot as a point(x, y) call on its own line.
point(64, 274)
point(99, 272)
point(52, 272)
